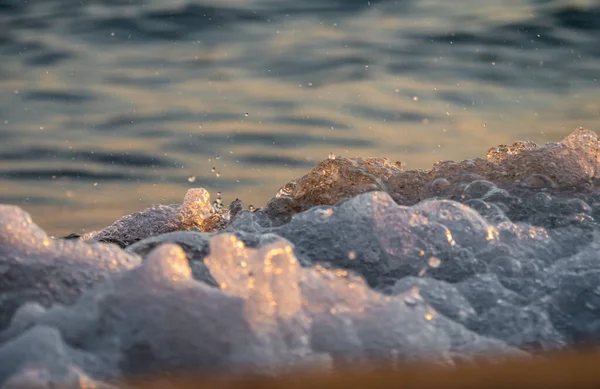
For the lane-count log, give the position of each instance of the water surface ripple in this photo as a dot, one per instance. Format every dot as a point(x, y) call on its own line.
point(107, 107)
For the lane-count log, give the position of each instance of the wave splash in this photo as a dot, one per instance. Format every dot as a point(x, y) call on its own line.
point(357, 259)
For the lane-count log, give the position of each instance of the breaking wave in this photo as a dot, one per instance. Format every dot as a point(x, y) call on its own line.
point(357, 259)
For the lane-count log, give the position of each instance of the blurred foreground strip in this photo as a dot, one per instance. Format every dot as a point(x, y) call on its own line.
point(572, 370)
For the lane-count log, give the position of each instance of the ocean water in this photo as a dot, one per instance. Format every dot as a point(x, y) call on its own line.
point(108, 107)
point(357, 260)
point(134, 126)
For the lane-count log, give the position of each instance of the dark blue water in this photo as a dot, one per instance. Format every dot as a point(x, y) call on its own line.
point(109, 106)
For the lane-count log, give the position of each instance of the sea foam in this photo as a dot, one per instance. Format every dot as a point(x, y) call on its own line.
point(358, 259)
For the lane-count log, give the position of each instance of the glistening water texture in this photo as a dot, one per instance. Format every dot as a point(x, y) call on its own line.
point(107, 107)
point(345, 266)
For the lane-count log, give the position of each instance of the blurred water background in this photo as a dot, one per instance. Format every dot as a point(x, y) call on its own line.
point(108, 107)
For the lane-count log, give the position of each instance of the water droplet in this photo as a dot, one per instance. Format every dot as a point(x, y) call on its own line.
point(416, 98)
point(246, 114)
point(218, 174)
point(192, 179)
point(434, 262)
point(327, 212)
point(213, 169)
point(95, 184)
point(218, 205)
point(410, 301)
point(218, 156)
point(286, 190)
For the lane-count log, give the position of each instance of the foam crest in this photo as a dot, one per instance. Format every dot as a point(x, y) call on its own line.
point(195, 212)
